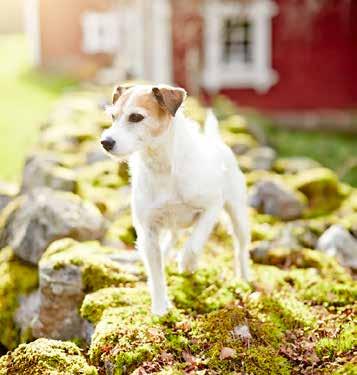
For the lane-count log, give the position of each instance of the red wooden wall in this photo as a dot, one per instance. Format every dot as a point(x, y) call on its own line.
point(315, 56)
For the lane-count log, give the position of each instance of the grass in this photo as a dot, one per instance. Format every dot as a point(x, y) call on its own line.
point(26, 100)
point(332, 149)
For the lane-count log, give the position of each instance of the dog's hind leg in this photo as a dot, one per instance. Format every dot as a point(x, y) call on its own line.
point(241, 238)
point(189, 258)
point(237, 209)
point(167, 243)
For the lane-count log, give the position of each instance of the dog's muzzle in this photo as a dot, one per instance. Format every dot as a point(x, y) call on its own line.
point(108, 143)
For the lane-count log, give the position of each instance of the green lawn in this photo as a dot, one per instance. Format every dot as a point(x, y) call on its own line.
point(333, 150)
point(26, 99)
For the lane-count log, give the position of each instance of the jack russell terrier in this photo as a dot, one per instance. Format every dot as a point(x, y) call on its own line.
point(181, 177)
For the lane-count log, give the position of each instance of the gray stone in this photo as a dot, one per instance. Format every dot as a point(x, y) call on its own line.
point(27, 311)
point(43, 170)
point(271, 198)
point(44, 215)
point(4, 200)
point(260, 158)
point(67, 271)
point(338, 242)
point(295, 165)
point(7, 193)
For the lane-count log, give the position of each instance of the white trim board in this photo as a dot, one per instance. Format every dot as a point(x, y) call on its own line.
point(257, 74)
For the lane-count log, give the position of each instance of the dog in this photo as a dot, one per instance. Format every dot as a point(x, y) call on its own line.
point(181, 177)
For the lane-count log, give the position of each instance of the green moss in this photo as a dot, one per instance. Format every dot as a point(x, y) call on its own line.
point(254, 354)
point(331, 293)
point(234, 124)
point(239, 140)
point(347, 369)
point(345, 341)
point(103, 173)
point(98, 270)
point(95, 303)
point(122, 229)
point(261, 360)
point(205, 290)
point(322, 189)
point(46, 357)
point(285, 311)
point(16, 279)
point(194, 110)
point(125, 336)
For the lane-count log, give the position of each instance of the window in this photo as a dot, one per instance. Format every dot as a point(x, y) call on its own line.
point(101, 32)
point(237, 35)
point(238, 45)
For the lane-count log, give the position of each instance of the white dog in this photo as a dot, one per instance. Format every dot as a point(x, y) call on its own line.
point(180, 177)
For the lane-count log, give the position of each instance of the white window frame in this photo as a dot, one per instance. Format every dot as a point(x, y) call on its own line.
point(100, 32)
point(258, 74)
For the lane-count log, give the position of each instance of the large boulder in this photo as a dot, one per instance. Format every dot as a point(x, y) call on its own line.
point(44, 170)
point(271, 198)
point(31, 222)
point(17, 280)
point(68, 270)
point(339, 242)
point(46, 357)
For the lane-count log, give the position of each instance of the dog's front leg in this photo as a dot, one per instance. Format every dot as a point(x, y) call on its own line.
point(148, 246)
point(189, 258)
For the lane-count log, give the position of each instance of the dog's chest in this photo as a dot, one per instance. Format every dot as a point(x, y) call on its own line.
point(171, 207)
point(176, 214)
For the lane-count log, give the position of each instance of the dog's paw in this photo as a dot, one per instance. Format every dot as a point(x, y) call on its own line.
point(187, 262)
point(162, 308)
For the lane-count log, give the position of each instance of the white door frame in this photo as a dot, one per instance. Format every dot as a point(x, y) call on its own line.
point(161, 42)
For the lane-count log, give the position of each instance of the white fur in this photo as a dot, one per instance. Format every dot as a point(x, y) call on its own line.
point(181, 178)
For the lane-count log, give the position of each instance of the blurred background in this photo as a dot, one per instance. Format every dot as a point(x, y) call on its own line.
point(289, 65)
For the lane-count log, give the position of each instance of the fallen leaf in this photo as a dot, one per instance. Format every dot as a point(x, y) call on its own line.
point(227, 353)
point(189, 358)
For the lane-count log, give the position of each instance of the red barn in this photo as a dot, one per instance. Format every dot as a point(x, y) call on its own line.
point(270, 54)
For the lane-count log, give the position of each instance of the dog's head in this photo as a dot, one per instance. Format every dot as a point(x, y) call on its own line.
point(141, 114)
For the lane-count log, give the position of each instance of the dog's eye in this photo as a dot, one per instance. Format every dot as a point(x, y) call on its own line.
point(136, 117)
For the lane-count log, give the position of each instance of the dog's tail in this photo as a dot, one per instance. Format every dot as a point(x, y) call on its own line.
point(211, 125)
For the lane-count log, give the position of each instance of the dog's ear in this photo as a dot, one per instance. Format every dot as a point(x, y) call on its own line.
point(118, 90)
point(169, 99)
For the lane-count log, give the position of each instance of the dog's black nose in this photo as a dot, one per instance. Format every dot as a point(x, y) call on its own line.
point(108, 143)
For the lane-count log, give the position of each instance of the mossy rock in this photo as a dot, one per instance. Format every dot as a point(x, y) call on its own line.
point(104, 184)
point(322, 189)
point(224, 107)
point(256, 351)
point(96, 303)
point(125, 337)
point(122, 230)
point(234, 124)
point(294, 165)
point(16, 279)
point(194, 110)
point(205, 290)
point(104, 173)
point(94, 261)
point(46, 357)
point(239, 142)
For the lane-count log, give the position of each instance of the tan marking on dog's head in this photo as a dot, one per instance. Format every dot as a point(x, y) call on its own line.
point(160, 103)
point(169, 98)
point(159, 115)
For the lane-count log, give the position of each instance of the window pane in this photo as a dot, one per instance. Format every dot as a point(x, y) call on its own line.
point(237, 40)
